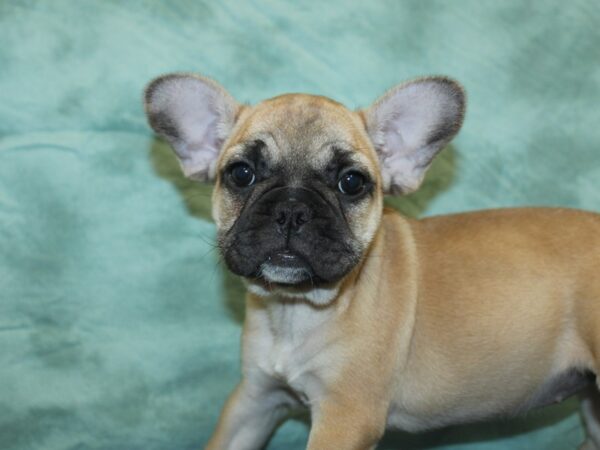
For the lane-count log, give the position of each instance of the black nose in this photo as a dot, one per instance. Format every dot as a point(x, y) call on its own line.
point(291, 215)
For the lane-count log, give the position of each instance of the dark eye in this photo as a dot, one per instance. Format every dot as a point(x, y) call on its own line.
point(242, 175)
point(351, 183)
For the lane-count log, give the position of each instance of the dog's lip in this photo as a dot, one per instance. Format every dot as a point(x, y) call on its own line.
point(286, 258)
point(286, 268)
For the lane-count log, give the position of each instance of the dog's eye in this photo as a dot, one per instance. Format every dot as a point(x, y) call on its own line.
point(351, 183)
point(242, 175)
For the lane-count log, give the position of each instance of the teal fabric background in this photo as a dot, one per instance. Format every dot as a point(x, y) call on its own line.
point(119, 328)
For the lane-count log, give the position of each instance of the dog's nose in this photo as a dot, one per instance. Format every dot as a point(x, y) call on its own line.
point(291, 216)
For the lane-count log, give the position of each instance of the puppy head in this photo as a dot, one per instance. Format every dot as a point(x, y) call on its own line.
point(299, 179)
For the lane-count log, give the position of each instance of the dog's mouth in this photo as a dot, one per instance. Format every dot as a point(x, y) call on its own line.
point(290, 274)
point(287, 269)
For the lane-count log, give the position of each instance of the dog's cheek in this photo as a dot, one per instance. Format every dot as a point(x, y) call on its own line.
point(364, 219)
point(225, 209)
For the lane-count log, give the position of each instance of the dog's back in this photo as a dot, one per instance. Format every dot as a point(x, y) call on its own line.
point(497, 289)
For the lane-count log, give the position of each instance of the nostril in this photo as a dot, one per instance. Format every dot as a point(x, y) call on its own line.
point(281, 218)
point(291, 215)
point(300, 218)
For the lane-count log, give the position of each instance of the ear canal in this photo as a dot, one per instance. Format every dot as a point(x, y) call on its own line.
point(195, 115)
point(410, 124)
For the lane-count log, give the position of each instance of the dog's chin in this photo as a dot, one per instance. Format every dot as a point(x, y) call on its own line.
point(318, 295)
point(288, 275)
point(285, 275)
point(286, 268)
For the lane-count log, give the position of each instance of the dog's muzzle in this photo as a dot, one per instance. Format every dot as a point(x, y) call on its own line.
point(290, 236)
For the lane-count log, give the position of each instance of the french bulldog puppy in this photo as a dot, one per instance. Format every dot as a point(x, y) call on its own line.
point(367, 318)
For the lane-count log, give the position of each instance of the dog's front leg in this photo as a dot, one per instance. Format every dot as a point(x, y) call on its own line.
point(249, 417)
point(346, 425)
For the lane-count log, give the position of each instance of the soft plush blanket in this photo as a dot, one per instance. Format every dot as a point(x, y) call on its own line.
point(119, 328)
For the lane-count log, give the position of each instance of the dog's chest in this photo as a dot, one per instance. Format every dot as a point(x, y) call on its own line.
point(289, 345)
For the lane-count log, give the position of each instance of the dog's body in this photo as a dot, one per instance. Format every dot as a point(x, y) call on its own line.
point(448, 320)
point(389, 321)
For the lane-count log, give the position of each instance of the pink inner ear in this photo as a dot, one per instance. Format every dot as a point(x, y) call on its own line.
point(411, 114)
point(198, 157)
point(199, 111)
point(404, 121)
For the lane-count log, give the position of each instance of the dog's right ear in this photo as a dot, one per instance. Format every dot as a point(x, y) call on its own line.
point(195, 115)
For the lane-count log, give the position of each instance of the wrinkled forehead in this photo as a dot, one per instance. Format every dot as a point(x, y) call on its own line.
point(303, 130)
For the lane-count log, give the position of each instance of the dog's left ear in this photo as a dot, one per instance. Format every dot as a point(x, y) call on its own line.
point(410, 124)
point(195, 115)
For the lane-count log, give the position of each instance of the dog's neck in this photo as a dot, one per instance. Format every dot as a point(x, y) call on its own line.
point(286, 337)
point(357, 293)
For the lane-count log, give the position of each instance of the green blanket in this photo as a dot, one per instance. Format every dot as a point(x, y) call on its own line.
point(119, 328)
